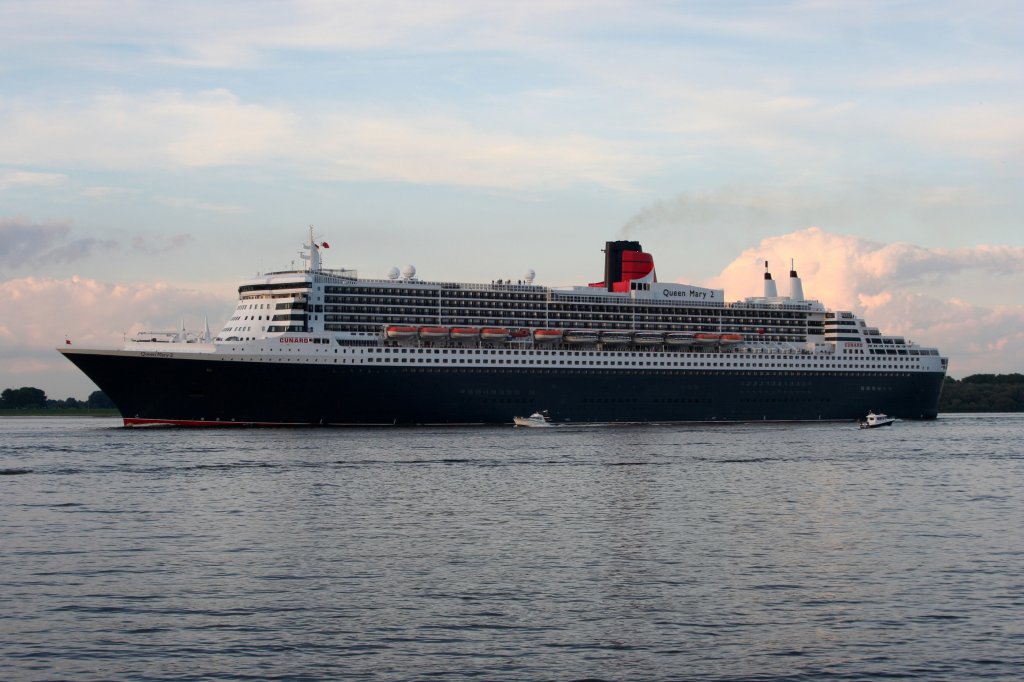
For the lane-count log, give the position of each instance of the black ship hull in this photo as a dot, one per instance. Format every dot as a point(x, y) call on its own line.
point(214, 391)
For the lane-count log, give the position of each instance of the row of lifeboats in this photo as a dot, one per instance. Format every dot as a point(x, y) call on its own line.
point(574, 336)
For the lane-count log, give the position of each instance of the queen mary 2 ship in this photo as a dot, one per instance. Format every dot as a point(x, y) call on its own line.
point(323, 346)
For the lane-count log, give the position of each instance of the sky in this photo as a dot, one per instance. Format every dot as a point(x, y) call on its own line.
point(155, 154)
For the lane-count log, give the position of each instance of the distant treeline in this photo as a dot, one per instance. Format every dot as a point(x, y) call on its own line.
point(30, 398)
point(983, 393)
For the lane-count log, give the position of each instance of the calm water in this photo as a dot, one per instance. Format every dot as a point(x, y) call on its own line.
point(706, 553)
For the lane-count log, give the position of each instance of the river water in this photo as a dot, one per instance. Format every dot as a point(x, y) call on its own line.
point(753, 552)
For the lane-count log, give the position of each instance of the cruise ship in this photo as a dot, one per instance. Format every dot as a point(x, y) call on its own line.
point(323, 346)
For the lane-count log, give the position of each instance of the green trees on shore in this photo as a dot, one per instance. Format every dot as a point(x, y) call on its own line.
point(983, 393)
point(31, 398)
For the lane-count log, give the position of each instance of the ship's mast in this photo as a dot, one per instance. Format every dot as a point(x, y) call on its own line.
point(312, 256)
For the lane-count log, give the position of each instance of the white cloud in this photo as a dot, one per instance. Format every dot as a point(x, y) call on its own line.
point(20, 178)
point(122, 131)
point(192, 203)
point(893, 286)
point(216, 128)
point(101, 193)
point(39, 313)
point(929, 76)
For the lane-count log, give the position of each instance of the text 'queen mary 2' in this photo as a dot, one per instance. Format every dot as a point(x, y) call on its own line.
point(320, 346)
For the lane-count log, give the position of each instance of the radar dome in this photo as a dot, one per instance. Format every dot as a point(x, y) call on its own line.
point(530, 274)
point(408, 272)
point(393, 273)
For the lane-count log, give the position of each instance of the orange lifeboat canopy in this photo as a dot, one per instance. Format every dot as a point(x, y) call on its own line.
point(465, 332)
point(431, 333)
point(547, 335)
point(398, 331)
point(494, 333)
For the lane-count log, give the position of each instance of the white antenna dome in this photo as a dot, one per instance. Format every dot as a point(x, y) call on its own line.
point(530, 274)
point(393, 272)
point(409, 271)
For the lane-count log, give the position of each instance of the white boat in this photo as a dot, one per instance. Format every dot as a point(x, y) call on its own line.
point(679, 338)
point(873, 421)
point(648, 338)
point(615, 338)
point(580, 336)
point(535, 419)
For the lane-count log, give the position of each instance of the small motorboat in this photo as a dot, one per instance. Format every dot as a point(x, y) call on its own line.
point(873, 421)
point(535, 419)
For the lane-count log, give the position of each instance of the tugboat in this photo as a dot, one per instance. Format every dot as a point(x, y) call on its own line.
point(873, 421)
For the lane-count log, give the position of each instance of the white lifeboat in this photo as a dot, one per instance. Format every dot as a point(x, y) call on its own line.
point(433, 333)
point(679, 338)
point(647, 338)
point(465, 333)
point(580, 336)
point(615, 338)
point(547, 335)
point(494, 333)
point(398, 332)
point(706, 338)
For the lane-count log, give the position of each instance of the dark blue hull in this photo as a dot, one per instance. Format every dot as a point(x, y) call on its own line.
point(204, 391)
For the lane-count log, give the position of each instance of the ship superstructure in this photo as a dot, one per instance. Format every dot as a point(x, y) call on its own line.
point(316, 345)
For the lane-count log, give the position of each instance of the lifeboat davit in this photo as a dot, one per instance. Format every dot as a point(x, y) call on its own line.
point(580, 336)
point(494, 333)
point(465, 333)
point(679, 338)
point(397, 332)
point(731, 339)
point(706, 338)
point(433, 333)
point(648, 338)
point(547, 335)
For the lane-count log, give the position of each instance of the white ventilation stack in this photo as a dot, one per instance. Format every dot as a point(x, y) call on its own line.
point(769, 284)
point(796, 288)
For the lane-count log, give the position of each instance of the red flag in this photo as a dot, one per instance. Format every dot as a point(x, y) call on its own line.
point(326, 245)
point(67, 342)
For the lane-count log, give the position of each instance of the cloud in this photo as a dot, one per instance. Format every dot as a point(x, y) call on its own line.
point(24, 243)
point(20, 178)
point(120, 131)
point(215, 128)
point(151, 245)
point(929, 76)
point(894, 286)
point(101, 192)
point(40, 312)
point(191, 203)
